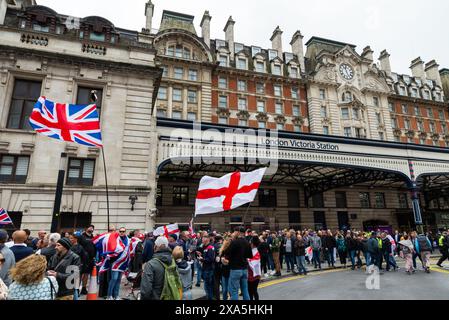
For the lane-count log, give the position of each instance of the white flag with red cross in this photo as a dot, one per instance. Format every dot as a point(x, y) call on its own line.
point(228, 192)
point(167, 231)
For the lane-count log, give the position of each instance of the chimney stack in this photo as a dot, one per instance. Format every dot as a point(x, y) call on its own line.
point(298, 48)
point(229, 35)
point(368, 53)
point(149, 11)
point(433, 73)
point(3, 8)
point(385, 64)
point(205, 28)
point(444, 75)
point(417, 68)
point(276, 41)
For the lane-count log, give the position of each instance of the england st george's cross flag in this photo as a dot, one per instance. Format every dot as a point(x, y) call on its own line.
point(228, 192)
point(67, 122)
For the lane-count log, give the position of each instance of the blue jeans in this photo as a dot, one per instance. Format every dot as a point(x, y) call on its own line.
point(238, 279)
point(290, 261)
point(225, 287)
point(316, 258)
point(352, 257)
point(329, 255)
point(208, 277)
point(271, 261)
point(114, 284)
point(389, 259)
point(368, 259)
point(198, 272)
point(301, 261)
point(187, 295)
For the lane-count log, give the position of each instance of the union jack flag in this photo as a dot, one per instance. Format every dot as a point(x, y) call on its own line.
point(4, 217)
point(109, 245)
point(67, 122)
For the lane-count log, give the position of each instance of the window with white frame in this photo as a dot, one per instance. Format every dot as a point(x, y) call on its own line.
point(165, 71)
point(432, 127)
point(238, 47)
point(177, 95)
point(422, 141)
point(355, 114)
point(277, 70)
point(415, 93)
point(441, 114)
point(255, 50)
point(397, 138)
point(296, 111)
point(279, 108)
point(429, 112)
point(193, 75)
point(402, 91)
point(260, 88)
point(241, 64)
point(345, 113)
point(262, 124)
point(272, 54)
point(391, 106)
point(407, 124)
point(404, 109)
point(347, 132)
point(420, 126)
point(260, 66)
point(293, 72)
point(323, 112)
point(280, 126)
point(222, 83)
point(295, 93)
point(176, 115)
point(347, 96)
point(243, 122)
point(417, 111)
point(426, 94)
point(242, 104)
point(179, 73)
point(191, 116)
point(162, 94)
point(223, 102)
point(161, 113)
point(223, 59)
point(438, 96)
point(322, 94)
point(326, 130)
point(241, 85)
point(297, 128)
point(260, 106)
point(13, 169)
point(394, 123)
point(223, 120)
point(277, 91)
point(444, 127)
point(192, 96)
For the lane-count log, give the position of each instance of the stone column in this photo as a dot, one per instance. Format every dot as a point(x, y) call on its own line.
point(169, 100)
point(151, 209)
point(184, 102)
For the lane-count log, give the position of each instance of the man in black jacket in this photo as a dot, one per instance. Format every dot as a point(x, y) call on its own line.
point(329, 244)
point(65, 267)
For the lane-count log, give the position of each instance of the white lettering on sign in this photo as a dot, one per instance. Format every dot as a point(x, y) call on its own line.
point(300, 144)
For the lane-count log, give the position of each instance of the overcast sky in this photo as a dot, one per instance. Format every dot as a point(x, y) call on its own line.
point(406, 28)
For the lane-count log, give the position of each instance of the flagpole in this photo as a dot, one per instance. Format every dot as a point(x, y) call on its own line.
point(246, 212)
point(106, 182)
point(58, 193)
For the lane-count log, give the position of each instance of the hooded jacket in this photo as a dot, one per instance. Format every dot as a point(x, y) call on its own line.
point(153, 276)
point(185, 272)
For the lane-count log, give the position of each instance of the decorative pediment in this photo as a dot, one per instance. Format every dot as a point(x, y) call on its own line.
point(280, 119)
point(223, 112)
point(348, 53)
point(243, 115)
point(262, 116)
point(277, 60)
point(299, 120)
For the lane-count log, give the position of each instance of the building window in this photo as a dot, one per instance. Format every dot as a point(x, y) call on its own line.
point(345, 113)
point(277, 70)
point(417, 112)
point(360, 133)
point(376, 101)
point(293, 72)
point(24, 96)
point(322, 94)
point(402, 91)
point(267, 198)
point(380, 200)
point(84, 97)
point(394, 123)
point(177, 115)
point(381, 136)
point(293, 199)
point(397, 139)
point(441, 114)
point(177, 95)
point(326, 130)
point(429, 113)
point(13, 169)
point(347, 96)
point(69, 221)
point(296, 111)
point(340, 199)
point(426, 95)
point(297, 128)
point(272, 54)
point(438, 96)
point(180, 196)
point(241, 64)
point(348, 132)
point(243, 123)
point(260, 66)
point(223, 120)
point(191, 116)
point(379, 118)
point(97, 36)
point(242, 104)
point(81, 172)
point(323, 112)
point(159, 197)
point(422, 141)
point(444, 127)
point(162, 94)
point(404, 109)
point(192, 96)
point(222, 83)
point(420, 126)
point(165, 71)
point(161, 113)
point(403, 200)
point(279, 108)
point(241, 85)
point(280, 126)
point(407, 124)
point(277, 91)
point(415, 93)
point(364, 200)
point(391, 106)
point(179, 73)
point(223, 102)
point(432, 127)
point(261, 124)
point(295, 94)
point(318, 200)
point(223, 60)
point(260, 106)
point(355, 114)
point(193, 75)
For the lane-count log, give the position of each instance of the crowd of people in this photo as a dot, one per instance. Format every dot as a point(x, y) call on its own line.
point(166, 267)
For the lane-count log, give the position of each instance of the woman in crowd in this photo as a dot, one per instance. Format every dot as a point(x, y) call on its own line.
point(254, 270)
point(3, 287)
point(185, 272)
point(225, 269)
point(406, 252)
point(30, 281)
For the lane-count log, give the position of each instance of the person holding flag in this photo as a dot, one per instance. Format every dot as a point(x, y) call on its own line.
point(254, 270)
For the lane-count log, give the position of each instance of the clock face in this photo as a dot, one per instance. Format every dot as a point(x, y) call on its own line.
point(346, 71)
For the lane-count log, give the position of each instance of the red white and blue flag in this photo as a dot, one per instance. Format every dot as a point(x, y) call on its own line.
point(4, 217)
point(109, 245)
point(67, 122)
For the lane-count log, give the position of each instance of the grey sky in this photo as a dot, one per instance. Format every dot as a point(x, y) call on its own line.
point(406, 28)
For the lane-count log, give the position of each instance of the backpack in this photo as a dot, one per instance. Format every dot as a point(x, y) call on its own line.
point(172, 289)
point(423, 244)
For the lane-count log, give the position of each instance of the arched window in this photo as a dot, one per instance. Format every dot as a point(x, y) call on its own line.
point(347, 96)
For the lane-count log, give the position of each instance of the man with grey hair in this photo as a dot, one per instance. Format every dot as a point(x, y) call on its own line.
point(50, 250)
point(153, 276)
point(8, 255)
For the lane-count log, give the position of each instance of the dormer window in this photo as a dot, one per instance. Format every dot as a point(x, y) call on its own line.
point(277, 70)
point(288, 57)
point(272, 54)
point(255, 50)
point(223, 59)
point(260, 66)
point(426, 94)
point(23, 23)
point(438, 96)
point(402, 91)
point(415, 93)
point(241, 63)
point(238, 47)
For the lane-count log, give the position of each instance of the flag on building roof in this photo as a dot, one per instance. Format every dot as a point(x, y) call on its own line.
point(166, 231)
point(67, 122)
point(4, 217)
point(228, 192)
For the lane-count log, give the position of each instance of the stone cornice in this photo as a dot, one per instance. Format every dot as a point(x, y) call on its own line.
point(259, 75)
point(419, 101)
